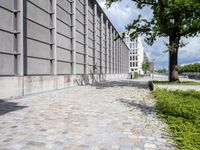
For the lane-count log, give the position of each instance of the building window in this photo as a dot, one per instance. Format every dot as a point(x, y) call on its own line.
point(127, 39)
point(130, 64)
point(136, 64)
point(133, 64)
point(136, 58)
point(130, 57)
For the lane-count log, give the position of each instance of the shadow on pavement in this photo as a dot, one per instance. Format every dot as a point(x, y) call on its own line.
point(108, 84)
point(144, 108)
point(6, 107)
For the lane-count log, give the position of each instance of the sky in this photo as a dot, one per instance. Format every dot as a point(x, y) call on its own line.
point(123, 13)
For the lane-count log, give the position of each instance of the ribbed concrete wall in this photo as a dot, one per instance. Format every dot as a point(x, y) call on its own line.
point(58, 37)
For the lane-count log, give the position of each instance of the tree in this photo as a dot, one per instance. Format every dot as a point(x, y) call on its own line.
point(173, 19)
point(194, 68)
point(145, 66)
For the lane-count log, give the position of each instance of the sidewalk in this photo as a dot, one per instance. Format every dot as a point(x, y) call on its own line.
point(116, 115)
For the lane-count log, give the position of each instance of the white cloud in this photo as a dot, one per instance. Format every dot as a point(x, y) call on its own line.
point(120, 14)
point(191, 52)
point(123, 13)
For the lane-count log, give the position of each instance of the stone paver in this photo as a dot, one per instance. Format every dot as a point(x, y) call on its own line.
point(107, 116)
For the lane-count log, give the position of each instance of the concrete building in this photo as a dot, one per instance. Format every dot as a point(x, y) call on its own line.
point(136, 54)
point(53, 44)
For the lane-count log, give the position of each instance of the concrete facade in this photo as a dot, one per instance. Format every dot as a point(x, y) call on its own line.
point(58, 37)
point(16, 87)
point(45, 42)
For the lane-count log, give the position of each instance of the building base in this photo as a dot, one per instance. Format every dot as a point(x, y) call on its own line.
point(15, 87)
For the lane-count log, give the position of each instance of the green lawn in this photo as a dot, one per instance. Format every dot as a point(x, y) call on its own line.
point(177, 83)
point(181, 111)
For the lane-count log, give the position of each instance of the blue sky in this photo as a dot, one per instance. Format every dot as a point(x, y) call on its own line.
point(123, 13)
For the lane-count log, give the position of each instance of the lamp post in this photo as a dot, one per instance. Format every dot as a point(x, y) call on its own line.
point(153, 68)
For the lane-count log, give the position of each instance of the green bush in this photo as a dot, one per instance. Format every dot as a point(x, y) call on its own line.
point(189, 68)
point(181, 111)
point(177, 83)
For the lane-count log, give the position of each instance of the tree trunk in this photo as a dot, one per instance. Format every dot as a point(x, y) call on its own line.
point(173, 61)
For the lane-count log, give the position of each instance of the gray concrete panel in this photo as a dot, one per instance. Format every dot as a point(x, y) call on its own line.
point(64, 68)
point(37, 15)
point(6, 64)
point(38, 32)
point(80, 17)
point(65, 17)
point(7, 19)
point(64, 29)
point(64, 42)
point(79, 47)
point(44, 4)
point(9, 4)
point(38, 66)
point(90, 52)
point(64, 55)
point(90, 60)
point(80, 37)
point(65, 4)
point(6, 42)
point(80, 58)
point(79, 69)
point(80, 6)
point(38, 49)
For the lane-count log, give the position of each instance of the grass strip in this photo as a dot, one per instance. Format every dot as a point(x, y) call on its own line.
point(177, 83)
point(181, 111)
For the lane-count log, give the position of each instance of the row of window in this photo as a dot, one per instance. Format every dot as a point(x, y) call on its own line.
point(133, 64)
point(128, 39)
point(132, 52)
point(133, 57)
point(133, 45)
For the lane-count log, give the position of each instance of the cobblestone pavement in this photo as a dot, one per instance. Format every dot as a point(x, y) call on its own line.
point(108, 116)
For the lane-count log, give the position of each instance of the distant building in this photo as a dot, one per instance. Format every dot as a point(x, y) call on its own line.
point(137, 54)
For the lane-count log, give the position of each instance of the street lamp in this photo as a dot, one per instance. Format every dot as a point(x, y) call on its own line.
point(153, 69)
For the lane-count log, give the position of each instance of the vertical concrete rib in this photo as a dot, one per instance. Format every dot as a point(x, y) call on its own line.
point(101, 53)
point(54, 33)
point(106, 48)
point(95, 39)
point(111, 49)
point(74, 37)
point(86, 36)
point(20, 58)
point(120, 56)
point(114, 51)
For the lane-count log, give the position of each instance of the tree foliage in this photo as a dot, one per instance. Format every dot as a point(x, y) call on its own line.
point(190, 68)
point(145, 66)
point(161, 71)
point(173, 19)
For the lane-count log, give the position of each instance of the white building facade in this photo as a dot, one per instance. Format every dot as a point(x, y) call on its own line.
point(136, 55)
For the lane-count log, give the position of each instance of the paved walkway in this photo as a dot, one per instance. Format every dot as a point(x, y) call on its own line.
point(113, 115)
